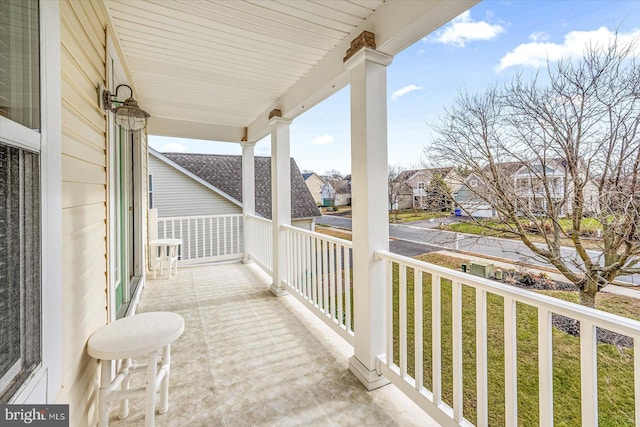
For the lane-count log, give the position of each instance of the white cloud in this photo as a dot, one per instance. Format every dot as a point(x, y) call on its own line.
point(464, 29)
point(173, 147)
point(539, 36)
point(536, 53)
point(322, 140)
point(403, 91)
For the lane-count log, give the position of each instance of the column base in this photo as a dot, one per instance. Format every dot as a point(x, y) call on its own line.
point(369, 378)
point(278, 290)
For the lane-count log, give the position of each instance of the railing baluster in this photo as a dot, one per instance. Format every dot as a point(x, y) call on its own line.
point(238, 239)
point(325, 277)
point(347, 288)
point(188, 237)
point(299, 256)
point(588, 373)
point(218, 235)
point(510, 363)
point(636, 376)
point(197, 237)
point(289, 260)
point(305, 291)
point(332, 280)
point(436, 340)
point(225, 248)
point(545, 366)
point(318, 283)
point(456, 301)
point(339, 289)
point(482, 390)
point(402, 319)
point(314, 272)
point(389, 289)
point(418, 341)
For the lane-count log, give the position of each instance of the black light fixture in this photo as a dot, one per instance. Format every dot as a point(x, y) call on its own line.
point(129, 115)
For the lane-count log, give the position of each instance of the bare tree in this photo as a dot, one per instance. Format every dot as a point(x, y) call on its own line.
point(546, 153)
point(398, 190)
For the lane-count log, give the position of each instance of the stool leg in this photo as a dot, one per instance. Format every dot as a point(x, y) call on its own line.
point(105, 382)
point(164, 387)
point(150, 398)
point(126, 383)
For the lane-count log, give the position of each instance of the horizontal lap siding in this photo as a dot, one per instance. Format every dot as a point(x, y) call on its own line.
point(84, 198)
point(176, 194)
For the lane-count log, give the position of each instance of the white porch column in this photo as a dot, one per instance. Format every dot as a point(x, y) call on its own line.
point(280, 196)
point(248, 191)
point(369, 185)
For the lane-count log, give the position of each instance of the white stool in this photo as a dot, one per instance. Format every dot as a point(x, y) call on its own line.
point(135, 336)
point(165, 250)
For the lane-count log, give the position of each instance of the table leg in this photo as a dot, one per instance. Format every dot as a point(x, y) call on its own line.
point(164, 387)
point(126, 383)
point(105, 382)
point(150, 398)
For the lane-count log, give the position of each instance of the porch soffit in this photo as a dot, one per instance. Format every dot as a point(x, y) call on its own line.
point(209, 69)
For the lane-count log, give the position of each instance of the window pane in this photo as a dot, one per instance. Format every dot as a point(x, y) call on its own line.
point(20, 62)
point(19, 267)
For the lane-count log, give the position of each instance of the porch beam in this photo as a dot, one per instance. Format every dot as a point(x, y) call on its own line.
point(280, 196)
point(162, 126)
point(368, 75)
point(248, 190)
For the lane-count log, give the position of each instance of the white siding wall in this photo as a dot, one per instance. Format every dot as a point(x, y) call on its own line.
point(84, 213)
point(176, 194)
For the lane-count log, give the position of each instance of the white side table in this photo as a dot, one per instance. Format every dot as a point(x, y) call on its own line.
point(135, 336)
point(165, 250)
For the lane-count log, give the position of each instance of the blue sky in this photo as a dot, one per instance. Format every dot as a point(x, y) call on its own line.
point(488, 44)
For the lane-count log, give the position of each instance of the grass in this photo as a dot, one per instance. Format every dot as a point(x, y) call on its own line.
point(615, 366)
point(411, 215)
point(589, 225)
point(334, 233)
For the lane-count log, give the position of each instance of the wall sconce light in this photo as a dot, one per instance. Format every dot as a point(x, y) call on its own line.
point(129, 115)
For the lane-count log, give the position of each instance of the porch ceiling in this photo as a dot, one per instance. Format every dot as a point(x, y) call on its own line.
point(210, 69)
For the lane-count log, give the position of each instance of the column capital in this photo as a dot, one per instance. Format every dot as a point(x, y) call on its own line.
point(276, 120)
point(248, 143)
point(367, 54)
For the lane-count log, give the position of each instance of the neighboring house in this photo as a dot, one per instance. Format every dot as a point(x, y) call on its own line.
point(314, 184)
point(210, 184)
point(336, 192)
point(416, 193)
point(528, 188)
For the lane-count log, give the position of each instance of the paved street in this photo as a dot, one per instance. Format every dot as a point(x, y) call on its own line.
point(424, 232)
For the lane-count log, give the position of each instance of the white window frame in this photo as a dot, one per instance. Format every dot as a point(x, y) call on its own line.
point(44, 383)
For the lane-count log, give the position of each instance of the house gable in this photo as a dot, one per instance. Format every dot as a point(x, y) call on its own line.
point(177, 192)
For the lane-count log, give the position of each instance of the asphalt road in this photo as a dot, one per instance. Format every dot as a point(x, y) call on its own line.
point(424, 234)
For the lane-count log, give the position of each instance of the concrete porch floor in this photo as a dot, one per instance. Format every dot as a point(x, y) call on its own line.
point(249, 358)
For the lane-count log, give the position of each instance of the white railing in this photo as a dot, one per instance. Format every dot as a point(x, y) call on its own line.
point(404, 273)
point(318, 273)
point(205, 238)
point(260, 245)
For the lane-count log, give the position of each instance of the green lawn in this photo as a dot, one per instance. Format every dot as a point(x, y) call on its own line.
point(411, 215)
point(615, 365)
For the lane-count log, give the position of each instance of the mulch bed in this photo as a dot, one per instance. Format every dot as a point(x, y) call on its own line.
point(566, 324)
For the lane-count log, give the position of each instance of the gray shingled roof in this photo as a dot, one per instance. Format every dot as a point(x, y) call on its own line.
point(225, 173)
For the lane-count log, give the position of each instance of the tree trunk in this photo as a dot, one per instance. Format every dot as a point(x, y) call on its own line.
point(588, 294)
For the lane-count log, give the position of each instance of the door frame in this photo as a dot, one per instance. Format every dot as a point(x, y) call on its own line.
point(117, 273)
